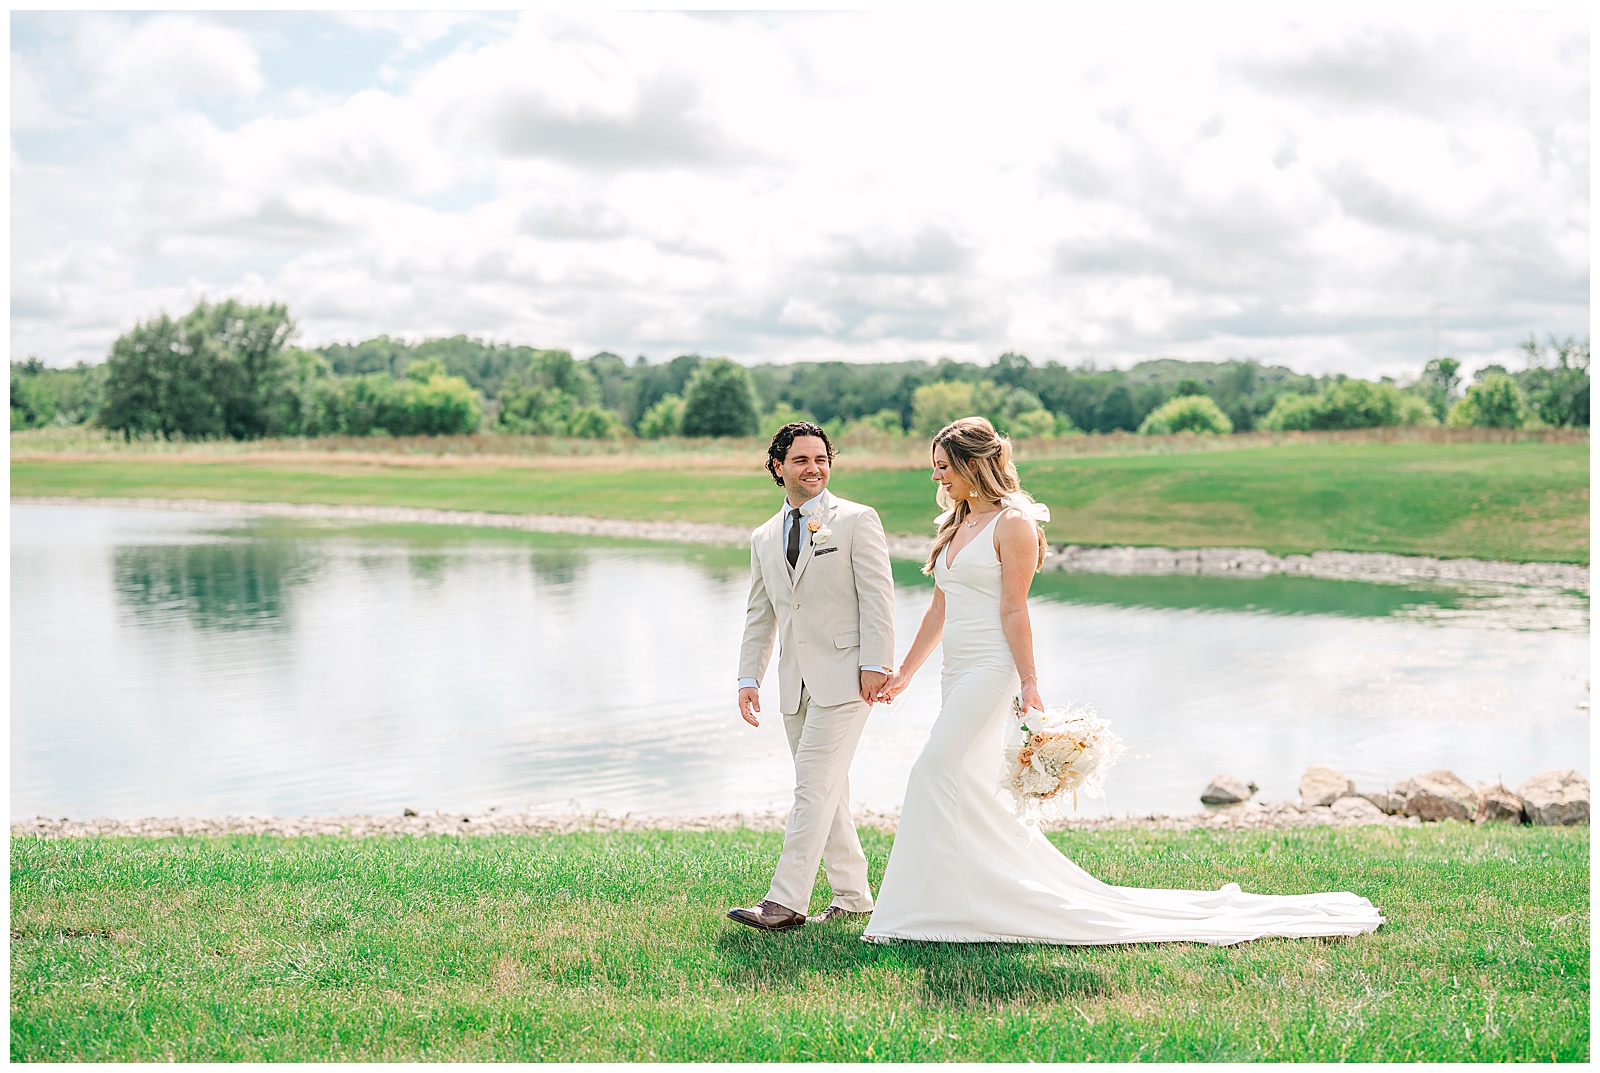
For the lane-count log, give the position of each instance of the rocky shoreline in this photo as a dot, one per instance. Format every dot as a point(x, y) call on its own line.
point(1327, 799)
point(1214, 562)
point(1550, 798)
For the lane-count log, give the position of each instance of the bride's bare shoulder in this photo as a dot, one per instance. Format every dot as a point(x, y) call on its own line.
point(1015, 528)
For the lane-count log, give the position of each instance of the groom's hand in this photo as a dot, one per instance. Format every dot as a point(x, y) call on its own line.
point(872, 685)
point(749, 704)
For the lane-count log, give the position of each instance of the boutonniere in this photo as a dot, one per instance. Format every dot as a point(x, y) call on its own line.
point(819, 532)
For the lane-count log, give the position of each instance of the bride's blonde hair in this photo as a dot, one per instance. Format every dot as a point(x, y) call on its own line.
point(982, 457)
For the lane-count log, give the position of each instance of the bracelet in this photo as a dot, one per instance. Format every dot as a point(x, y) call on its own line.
point(1029, 676)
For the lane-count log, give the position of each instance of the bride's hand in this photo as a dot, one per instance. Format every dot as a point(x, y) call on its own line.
point(898, 680)
point(1030, 697)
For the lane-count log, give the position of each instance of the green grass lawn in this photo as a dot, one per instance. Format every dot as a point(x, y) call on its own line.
point(1524, 501)
point(613, 947)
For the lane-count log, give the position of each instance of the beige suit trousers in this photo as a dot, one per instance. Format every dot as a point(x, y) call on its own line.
point(821, 831)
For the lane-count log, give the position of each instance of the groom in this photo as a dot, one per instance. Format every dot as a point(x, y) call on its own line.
point(820, 585)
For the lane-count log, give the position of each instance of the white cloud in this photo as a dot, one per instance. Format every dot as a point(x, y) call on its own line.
point(164, 61)
point(864, 186)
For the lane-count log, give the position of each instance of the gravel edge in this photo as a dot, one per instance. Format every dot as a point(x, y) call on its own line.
point(1248, 816)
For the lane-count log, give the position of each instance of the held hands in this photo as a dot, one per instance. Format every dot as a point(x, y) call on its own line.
point(872, 683)
point(895, 685)
point(749, 704)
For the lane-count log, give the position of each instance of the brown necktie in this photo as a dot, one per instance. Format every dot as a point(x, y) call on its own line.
point(794, 536)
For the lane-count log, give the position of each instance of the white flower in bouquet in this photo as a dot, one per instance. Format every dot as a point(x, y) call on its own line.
point(1062, 751)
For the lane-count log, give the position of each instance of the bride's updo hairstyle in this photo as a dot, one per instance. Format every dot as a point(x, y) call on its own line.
point(982, 457)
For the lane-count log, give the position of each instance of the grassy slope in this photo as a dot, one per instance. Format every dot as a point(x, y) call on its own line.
point(589, 947)
point(1497, 501)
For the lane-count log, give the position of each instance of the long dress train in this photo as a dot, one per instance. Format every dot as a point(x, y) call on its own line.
point(964, 869)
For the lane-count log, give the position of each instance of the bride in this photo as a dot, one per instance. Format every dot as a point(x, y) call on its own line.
point(963, 867)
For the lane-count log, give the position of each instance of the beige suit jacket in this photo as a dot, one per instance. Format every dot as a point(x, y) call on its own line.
point(830, 615)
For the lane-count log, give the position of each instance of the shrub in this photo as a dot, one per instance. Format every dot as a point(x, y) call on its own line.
point(720, 400)
point(1032, 423)
point(1416, 410)
point(1291, 412)
point(1494, 402)
point(1186, 413)
point(884, 422)
point(665, 418)
point(594, 423)
point(1347, 403)
point(440, 406)
point(379, 405)
point(780, 415)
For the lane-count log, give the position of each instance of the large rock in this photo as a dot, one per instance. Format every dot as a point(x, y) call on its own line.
point(1440, 795)
point(1323, 786)
point(1553, 798)
point(1495, 802)
point(1227, 790)
point(1388, 801)
point(1357, 810)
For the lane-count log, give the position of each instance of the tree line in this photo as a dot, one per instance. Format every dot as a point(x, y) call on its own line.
point(229, 370)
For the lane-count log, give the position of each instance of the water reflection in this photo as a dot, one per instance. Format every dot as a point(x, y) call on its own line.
point(195, 665)
point(224, 586)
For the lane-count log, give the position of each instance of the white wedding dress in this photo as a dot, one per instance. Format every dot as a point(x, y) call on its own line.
point(965, 869)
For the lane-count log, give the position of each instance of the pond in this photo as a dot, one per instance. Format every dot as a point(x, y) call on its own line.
point(177, 664)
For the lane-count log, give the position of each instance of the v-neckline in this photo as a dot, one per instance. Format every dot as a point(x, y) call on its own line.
point(950, 559)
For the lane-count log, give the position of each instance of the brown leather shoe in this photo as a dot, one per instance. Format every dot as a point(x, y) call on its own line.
point(768, 916)
point(838, 912)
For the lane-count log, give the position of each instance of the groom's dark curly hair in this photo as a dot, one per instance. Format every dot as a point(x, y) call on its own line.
point(778, 449)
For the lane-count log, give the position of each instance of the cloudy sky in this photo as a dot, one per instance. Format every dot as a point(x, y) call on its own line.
point(1316, 191)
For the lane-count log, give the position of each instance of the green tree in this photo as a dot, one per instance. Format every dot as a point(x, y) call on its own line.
point(216, 372)
point(1441, 377)
point(557, 369)
point(1557, 382)
point(424, 369)
point(933, 406)
point(1116, 411)
point(162, 381)
point(720, 400)
point(1494, 402)
point(536, 410)
point(1186, 413)
point(246, 345)
point(664, 418)
point(296, 408)
point(652, 382)
point(33, 403)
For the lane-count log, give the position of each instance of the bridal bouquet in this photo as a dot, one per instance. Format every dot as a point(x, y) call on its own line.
point(1061, 751)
